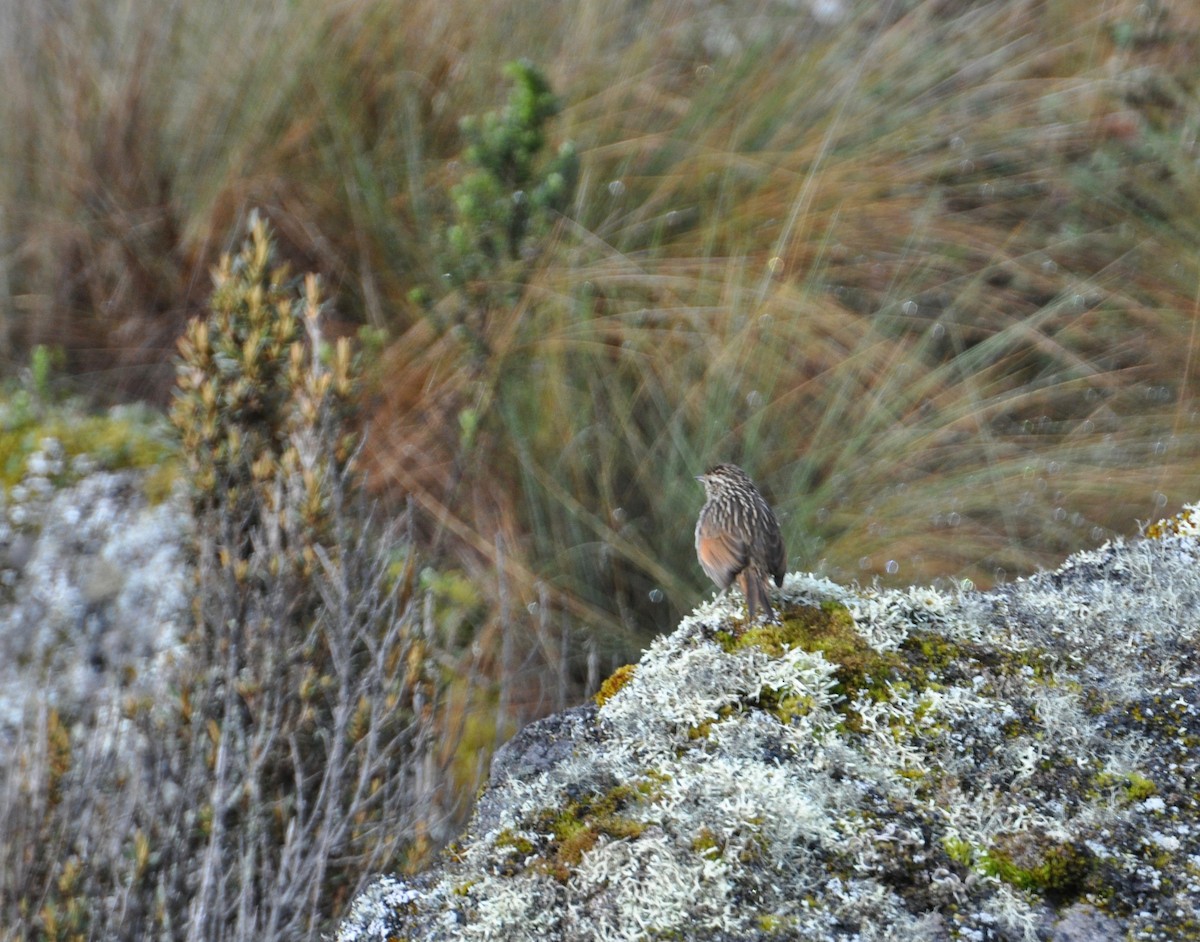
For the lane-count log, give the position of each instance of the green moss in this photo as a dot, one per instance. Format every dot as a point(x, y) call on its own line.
point(575, 828)
point(519, 843)
point(1138, 787)
point(958, 850)
point(933, 653)
point(773, 924)
point(615, 681)
point(706, 844)
point(932, 661)
point(1132, 786)
point(1030, 861)
point(702, 729)
point(649, 786)
point(113, 441)
point(1058, 871)
point(925, 660)
point(830, 632)
point(574, 838)
point(785, 706)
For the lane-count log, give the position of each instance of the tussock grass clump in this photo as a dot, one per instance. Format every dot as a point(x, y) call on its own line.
point(902, 269)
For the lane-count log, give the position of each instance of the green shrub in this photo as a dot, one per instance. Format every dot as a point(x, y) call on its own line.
point(513, 192)
point(293, 753)
point(309, 716)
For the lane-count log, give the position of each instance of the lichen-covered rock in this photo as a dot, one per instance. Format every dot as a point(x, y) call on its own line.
point(1011, 765)
point(94, 585)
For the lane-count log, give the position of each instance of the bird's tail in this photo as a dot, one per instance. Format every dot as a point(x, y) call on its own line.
point(754, 586)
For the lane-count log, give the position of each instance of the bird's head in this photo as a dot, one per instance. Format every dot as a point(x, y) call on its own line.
point(721, 478)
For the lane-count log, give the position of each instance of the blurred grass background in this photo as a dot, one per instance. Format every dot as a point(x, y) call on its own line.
point(926, 268)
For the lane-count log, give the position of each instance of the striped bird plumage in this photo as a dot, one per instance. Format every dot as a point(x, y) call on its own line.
point(738, 538)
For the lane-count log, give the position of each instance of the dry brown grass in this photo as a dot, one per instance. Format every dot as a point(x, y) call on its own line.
point(929, 272)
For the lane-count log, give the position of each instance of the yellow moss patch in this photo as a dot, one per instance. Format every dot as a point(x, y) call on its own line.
point(1131, 787)
point(615, 681)
point(706, 844)
point(114, 442)
point(581, 823)
point(1185, 522)
point(519, 843)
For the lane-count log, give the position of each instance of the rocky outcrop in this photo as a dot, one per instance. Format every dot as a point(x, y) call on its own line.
point(1014, 764)
point(94, 583)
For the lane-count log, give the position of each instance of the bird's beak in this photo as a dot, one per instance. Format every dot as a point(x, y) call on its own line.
point(700, 478)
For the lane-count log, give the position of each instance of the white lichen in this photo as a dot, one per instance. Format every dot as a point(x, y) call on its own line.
point(1028, 757)
point(97, 587)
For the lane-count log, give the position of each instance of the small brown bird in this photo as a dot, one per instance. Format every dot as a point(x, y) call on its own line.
point(737, 537)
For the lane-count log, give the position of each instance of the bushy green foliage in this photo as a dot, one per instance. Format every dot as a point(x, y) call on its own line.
point(513, 191)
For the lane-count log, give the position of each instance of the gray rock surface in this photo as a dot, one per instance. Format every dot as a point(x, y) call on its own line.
point(93, 585)
point(1010, 765)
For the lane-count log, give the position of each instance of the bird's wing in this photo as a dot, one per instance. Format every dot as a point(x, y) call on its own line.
point(722, 555)
point(768, 553)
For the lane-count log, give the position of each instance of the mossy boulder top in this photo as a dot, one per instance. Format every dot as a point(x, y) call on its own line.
point(918, 764)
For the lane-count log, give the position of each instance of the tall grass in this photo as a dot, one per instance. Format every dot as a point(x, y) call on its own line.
point(927, 270)
point(916, 272)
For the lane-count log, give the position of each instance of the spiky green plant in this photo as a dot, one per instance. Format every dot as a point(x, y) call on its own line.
point(513, 191)
point(295, 751)
point(309, 666)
